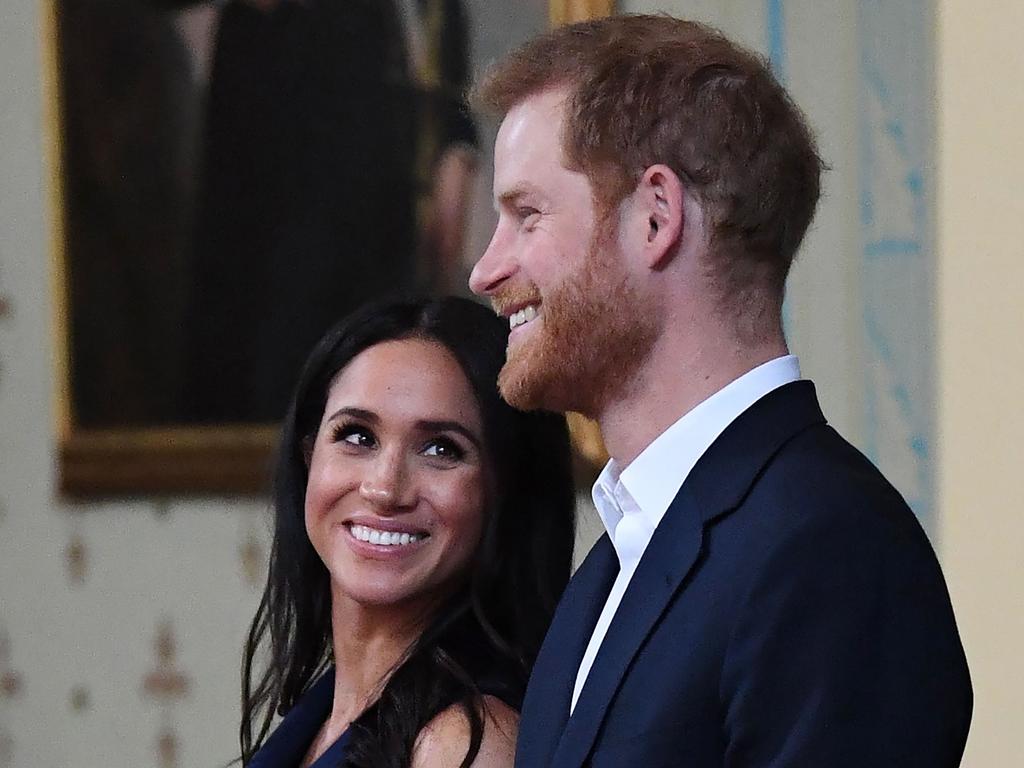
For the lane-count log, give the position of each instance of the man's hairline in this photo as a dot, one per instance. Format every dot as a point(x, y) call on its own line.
point(568, 85)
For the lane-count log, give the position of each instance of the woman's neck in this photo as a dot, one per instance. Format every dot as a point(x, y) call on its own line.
point(368, 643)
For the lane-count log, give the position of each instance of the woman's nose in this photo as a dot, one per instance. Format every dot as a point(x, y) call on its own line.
point(387, 485)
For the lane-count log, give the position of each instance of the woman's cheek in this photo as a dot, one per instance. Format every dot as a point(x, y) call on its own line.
point(318, 500)
point(464, 505)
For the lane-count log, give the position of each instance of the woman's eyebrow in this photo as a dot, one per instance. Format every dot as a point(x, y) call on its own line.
point(356, 413)
point(443, 425)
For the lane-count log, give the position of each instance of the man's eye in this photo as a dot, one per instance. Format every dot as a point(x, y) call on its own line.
point(528, 216)
point(354, 435)
point(443, 448)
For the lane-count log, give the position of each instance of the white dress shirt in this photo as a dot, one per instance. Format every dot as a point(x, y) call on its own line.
point(632, 501)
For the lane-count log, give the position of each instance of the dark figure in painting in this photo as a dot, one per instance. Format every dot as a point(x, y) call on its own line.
point(309, 206)
point(216, 229)
point(130, 117)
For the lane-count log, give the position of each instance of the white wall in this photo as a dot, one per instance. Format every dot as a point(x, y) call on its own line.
point(981, 359)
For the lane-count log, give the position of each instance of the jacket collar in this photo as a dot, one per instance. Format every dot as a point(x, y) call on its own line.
point(715, 487)
point(546, 706)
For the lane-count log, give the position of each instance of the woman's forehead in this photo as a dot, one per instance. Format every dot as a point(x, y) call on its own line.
point(407, 379)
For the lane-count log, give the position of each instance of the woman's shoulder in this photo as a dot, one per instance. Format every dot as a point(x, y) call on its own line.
point(445, 740)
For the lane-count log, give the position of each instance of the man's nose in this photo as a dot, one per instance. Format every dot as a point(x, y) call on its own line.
point(387, 484)
point(493, 268)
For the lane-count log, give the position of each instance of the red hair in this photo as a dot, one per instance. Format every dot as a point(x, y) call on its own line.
point(645, 90)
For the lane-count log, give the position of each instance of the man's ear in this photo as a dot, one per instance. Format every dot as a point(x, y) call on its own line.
point(659, 199)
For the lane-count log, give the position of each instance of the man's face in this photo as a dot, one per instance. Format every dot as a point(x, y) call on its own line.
point(555, 269)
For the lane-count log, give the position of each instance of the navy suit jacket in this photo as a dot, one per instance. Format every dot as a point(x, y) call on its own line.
point(789, 612)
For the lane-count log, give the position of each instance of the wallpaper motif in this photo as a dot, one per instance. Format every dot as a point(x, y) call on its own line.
point(76, 560)
point(168, 686)
point(10, 689)
point(775, 23)
point(80, 699)
point(898, 265)
point(10, 681)
point(252, 558)
point(5, 312)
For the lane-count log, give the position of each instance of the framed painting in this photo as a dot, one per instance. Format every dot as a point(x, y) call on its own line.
point(229, 178)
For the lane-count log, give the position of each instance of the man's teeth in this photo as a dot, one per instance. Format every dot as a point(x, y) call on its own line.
point(522, 316)
point(387, 538)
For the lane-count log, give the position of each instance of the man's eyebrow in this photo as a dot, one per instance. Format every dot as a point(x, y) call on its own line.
point(511, 196)
point(357, 413)
point(430, 425)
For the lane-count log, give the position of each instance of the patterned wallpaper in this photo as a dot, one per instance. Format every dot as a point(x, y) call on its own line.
point(861, 296)
point(126, 652)
point(121, 624)
point(896, 125)
point(10, 678)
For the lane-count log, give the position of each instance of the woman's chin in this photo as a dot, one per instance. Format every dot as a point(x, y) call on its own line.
point(387, 593)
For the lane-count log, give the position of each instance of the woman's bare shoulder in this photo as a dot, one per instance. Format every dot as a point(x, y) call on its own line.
point(444, 741)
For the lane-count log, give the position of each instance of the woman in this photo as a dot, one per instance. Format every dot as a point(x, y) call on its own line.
point(423, 534)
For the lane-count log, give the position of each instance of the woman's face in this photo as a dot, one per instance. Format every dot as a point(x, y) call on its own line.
point(394, 502)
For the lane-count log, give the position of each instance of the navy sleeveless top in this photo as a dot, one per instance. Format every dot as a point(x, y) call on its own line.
point(287, 745)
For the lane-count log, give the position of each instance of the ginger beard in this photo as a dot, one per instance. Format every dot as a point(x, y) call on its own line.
point(593, 335)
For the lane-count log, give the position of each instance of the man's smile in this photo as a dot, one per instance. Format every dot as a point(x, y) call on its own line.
point(523, 316)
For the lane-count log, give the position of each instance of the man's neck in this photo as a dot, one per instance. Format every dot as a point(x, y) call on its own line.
point(669, 384)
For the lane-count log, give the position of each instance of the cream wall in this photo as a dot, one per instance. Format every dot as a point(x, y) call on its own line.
point(981, 357)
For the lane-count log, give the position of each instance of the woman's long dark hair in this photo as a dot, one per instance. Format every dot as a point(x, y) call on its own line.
point(486, 636)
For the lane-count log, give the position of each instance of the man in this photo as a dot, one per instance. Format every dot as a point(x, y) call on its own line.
point(763, 596)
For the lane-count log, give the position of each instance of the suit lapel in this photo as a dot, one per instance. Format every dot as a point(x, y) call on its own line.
point(546, 705)
point(664, 566)
point(716, 486)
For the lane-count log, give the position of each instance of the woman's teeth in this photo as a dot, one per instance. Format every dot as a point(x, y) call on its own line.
point(524, 315)
point(386, 538)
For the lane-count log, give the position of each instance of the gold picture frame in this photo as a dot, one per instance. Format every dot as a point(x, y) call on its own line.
point(229, 458)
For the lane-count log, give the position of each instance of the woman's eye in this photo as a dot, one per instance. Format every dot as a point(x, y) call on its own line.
point(443, 448)
point(354, 435)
